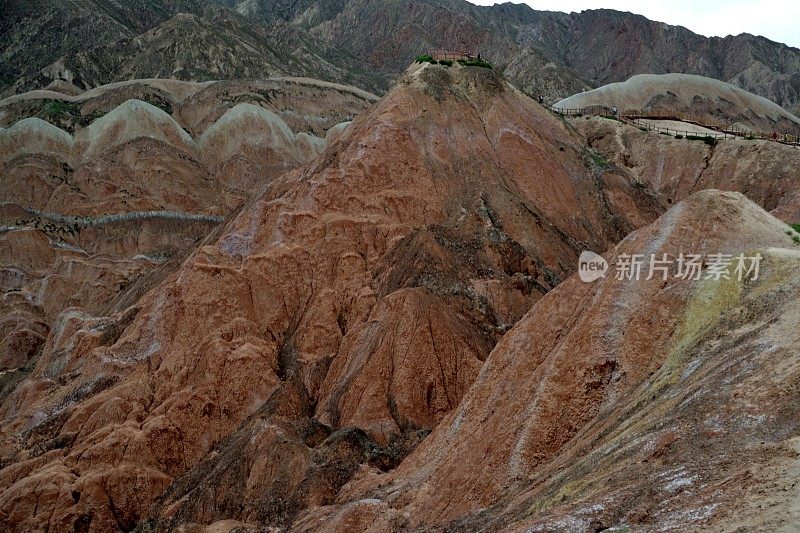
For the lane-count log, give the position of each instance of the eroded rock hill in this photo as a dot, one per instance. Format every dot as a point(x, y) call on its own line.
point(705, 100)
point(767, 172)
point(106, 192)
point(86, 44)
point(333, 323)
point(368, 43)
point(660, 404)
point(408, 280)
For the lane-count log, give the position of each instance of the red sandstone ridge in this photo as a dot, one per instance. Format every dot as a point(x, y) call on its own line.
point(653, 405)
point(767, 172)
point(107, 192)
point(334, 322)
point(411, 284)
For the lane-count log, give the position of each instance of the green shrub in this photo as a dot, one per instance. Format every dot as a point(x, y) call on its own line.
point(679, 136)
point(446, 62)
point(708, 139)
point(159, 103)
point(599, 159)
point(796, 227)
point(475, 62)
point(60, 107)
point(423, 58)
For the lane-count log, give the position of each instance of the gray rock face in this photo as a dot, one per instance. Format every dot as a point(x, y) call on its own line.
point(367, 44)
point(191, 41)
point(598, 46)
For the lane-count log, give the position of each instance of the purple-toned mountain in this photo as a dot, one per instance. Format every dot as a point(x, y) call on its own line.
point(368, 43)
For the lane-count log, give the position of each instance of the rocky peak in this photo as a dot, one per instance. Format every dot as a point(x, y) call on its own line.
point(456, 80)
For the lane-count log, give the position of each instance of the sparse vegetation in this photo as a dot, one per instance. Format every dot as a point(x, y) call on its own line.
point(57, 108)
point(68, 115)
point(599, 159)
point(708, 139)
point(794, 233)
point(61, 113)
point(475, 62)
point(85, 120)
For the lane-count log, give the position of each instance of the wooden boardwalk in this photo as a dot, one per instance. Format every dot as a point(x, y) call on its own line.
point(635, 117)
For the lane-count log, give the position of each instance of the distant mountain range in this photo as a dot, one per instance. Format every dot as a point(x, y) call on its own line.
point(368, 43)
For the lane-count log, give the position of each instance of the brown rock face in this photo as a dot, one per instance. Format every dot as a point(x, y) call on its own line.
point(362, 289)
point(403, 286)
point(95, 214)
point(767, 172)
point(621, 402)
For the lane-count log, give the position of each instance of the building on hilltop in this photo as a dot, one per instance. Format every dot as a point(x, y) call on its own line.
point(440, 54)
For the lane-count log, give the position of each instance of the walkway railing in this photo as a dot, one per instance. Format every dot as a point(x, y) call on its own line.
point(454, 55)
point(634, 116)
point(674, 131)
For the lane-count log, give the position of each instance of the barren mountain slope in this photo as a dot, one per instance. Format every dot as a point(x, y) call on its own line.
point(185, 39)
point(661, 404)
point(95, 217)
point(767, 172)
point(704, 99)
point(369, 43)
point(34, 33)
point(334, 322)
point(597, 46)
point(604, 46)
point(538, 76)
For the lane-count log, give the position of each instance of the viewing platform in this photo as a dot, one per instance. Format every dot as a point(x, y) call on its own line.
point(452, 55)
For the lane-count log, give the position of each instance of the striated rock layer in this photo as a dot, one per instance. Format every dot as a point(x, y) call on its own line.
point(767, 172)
point(106, 192)
point(332, 324)
point(405, 287)
point(705, 100)
point(658, 404)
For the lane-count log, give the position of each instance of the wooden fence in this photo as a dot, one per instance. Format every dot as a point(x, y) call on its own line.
point(634, 116)
point(686, 133)
point(453, 55)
